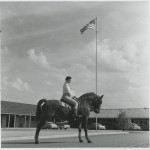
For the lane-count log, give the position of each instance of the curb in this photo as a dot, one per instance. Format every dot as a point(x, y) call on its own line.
point(56, 136)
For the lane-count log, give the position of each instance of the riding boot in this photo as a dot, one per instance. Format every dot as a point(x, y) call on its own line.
point(75, 113)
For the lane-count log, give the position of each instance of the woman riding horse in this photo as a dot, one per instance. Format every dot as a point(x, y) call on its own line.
point(68, 95)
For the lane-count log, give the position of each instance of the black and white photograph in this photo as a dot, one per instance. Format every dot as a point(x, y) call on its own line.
point(74, 74)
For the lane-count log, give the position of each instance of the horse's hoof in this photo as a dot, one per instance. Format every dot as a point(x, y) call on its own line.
point(81, 141)
point(37, 142)
point(89, 141)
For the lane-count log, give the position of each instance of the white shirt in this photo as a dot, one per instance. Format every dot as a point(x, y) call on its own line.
point(67, 89)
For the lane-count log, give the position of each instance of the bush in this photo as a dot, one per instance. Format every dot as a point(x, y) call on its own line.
point(124, 122)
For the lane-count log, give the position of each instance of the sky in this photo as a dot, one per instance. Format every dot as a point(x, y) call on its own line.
point(41, 44)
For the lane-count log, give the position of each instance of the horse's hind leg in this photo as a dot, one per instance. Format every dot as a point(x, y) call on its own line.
point(39, 126)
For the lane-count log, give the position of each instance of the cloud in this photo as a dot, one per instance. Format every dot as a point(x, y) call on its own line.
point(114, 59)
point(119, 58)
point(5, 51)
point(4, 81)
point(20, 85)
point(38, 59)
point(17, 84)
point(109, 60)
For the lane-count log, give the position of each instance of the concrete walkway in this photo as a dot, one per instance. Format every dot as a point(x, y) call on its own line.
point(25, 134)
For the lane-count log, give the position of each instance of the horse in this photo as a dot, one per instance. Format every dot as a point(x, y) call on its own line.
point(47, 109)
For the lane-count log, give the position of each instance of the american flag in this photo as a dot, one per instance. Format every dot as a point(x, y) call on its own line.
point(90, 25)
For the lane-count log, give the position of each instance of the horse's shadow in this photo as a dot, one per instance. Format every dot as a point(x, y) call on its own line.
point(32, 142)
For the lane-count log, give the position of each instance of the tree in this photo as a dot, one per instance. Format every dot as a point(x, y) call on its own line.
point(124, 122)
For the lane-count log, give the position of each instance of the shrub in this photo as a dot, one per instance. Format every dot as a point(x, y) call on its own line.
point(124, 122)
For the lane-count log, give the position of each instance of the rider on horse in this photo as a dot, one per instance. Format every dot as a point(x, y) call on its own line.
point(68, 94)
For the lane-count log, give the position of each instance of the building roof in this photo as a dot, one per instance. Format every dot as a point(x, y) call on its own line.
point(130, 112)
point(8, 107)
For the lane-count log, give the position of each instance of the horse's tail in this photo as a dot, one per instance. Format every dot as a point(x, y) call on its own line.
point(39, 108)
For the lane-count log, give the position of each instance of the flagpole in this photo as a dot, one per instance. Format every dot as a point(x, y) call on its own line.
point(96, 68)
point(96, 55)
point(92, 25)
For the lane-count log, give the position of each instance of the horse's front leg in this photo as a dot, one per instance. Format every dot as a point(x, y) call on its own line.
point(85, 121)
point(79, 129)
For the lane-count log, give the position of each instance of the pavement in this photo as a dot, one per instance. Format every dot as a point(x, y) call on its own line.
point(28, 133)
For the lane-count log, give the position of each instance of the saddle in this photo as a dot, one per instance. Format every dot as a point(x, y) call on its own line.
point(63, 103)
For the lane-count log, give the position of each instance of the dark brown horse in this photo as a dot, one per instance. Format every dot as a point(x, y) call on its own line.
point(47, 109)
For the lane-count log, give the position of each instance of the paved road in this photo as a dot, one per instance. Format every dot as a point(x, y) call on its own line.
point(132, 139)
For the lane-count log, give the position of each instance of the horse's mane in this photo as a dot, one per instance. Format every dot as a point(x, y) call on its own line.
point(86, 95)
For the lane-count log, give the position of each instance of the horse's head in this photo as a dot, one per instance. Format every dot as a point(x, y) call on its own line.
point(93, 100)
point(96, 103)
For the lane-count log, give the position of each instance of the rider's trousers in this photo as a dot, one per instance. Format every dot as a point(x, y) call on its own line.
point(70, 100)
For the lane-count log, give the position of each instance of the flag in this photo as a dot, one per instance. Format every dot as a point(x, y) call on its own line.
point(90, 25)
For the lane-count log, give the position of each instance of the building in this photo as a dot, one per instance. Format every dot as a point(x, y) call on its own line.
point(108, 117)
point(19, 115)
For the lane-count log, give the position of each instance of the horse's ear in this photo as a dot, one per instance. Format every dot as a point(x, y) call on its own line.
point(102, 96)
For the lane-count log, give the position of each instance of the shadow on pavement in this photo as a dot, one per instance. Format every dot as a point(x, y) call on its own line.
point(47, 142)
